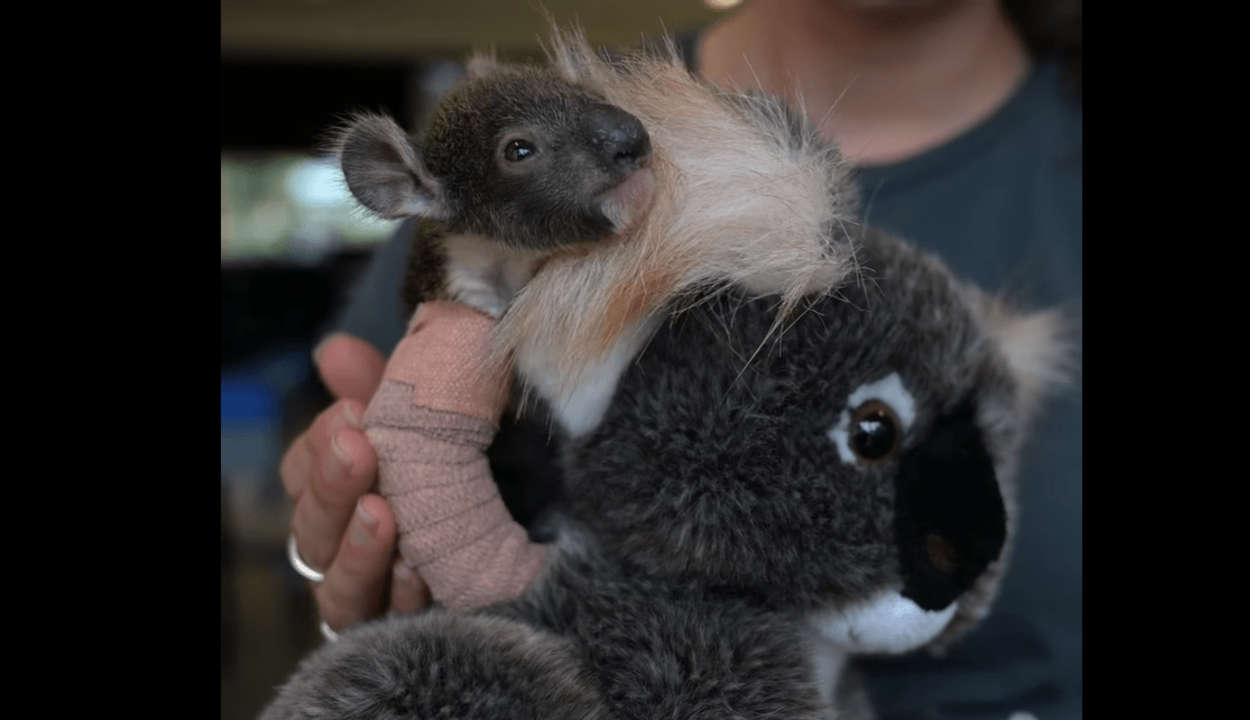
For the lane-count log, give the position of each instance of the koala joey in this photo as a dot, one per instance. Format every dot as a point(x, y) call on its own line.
point(789, 440)
point(507, 176)
point(630, 184)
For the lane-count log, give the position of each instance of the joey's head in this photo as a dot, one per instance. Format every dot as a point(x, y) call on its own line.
point(515, 154)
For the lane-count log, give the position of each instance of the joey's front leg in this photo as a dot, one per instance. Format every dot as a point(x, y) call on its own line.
point(434, 415)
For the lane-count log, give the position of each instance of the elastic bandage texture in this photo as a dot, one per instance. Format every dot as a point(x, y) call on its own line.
point(430, 422)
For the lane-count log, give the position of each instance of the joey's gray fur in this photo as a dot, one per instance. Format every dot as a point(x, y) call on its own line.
point(785, 468)
point(528, 170)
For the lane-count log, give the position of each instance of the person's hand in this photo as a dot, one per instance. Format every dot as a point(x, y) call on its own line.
point(340, 529)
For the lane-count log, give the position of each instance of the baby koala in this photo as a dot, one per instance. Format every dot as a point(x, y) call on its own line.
point(508, 176)
point(629, 183)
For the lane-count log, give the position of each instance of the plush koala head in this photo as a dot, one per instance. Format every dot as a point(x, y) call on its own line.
point(516, 154)
point(858, 467)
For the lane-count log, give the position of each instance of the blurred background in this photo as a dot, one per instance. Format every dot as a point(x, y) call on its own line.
point(293, 243)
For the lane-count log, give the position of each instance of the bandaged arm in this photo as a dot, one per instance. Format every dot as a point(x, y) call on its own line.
point(430, 422)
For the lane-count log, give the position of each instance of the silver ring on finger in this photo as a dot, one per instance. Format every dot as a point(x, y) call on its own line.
point(304, 569)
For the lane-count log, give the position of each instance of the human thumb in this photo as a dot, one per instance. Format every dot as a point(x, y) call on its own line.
point(351, 368)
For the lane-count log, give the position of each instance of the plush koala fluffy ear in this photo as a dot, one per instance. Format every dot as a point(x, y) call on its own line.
point(384, 170)
point(1042, 348)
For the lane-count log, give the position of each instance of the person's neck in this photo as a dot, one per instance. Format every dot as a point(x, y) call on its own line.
point(885, 80)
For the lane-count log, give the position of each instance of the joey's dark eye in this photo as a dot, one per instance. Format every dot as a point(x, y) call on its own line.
point(518, 150)
point(876, 434)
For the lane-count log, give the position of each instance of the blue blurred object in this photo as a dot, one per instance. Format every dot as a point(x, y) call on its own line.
point(252, 396)
point(247, 402)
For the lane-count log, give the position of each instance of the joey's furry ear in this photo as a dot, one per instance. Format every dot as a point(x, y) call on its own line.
point(573, 58)
point(384, 170)
point(1042, 348)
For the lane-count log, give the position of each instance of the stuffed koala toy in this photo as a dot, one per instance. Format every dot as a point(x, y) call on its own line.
point(787, 440)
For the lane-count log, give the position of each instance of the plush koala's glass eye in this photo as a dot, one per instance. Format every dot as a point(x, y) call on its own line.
point(874, 422)
point(876, 434)
point(518, 150)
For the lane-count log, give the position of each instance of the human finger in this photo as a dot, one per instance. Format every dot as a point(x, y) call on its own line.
point(301, 459)
point(350, 367)
point(355, 584)
point(409, 593)
point(337, 466)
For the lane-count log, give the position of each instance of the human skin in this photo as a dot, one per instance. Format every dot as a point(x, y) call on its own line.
point(885, 79)
point(340, 527)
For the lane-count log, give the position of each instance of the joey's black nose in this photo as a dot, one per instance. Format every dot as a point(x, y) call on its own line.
point(619, 138)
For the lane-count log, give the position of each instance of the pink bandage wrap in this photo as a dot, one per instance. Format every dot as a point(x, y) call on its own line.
point(433, 417)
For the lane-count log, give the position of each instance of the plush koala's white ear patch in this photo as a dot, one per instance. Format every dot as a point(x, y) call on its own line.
point(883, 409)
point(1043, 349)
point(888, 623)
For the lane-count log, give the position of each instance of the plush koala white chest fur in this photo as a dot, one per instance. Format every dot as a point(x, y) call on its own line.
point(579, 411)
point(888, 623)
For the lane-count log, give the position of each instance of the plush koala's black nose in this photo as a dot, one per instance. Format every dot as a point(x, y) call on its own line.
point(620, 139)
point(950, 521)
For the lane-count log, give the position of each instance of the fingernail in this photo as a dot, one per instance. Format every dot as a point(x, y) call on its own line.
point(339, 453)
point(362, 530)
point(352, 418)
point(336, 464)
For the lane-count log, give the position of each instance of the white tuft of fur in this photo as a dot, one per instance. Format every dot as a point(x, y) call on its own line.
point(1042, 348)
point(628, 203)
point(888, 623)
point(734, 203)
point(580, 411)
point(485, 275)
point(828, 661)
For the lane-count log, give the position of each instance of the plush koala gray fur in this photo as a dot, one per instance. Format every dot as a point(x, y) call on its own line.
point(767, 491)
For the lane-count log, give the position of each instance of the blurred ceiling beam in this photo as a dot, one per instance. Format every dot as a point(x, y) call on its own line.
point(371, 30)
